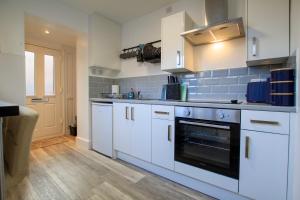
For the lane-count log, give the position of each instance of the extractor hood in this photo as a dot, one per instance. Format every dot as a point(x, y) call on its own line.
point(219, 28)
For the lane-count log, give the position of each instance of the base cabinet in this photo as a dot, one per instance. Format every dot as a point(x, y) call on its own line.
point(163, 143)
point(140, 116)
point(132, 129)
point(122, 127)
point(263, 165)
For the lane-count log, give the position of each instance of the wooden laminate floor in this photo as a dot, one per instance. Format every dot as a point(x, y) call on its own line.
point(64, 171)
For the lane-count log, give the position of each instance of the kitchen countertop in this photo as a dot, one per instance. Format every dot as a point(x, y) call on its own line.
point(8, 109)
point(242, 106)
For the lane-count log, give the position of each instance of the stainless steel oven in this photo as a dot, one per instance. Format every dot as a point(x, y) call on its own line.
point(209, 139)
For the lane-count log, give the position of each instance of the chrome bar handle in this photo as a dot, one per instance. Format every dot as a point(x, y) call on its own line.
point(204, 125)
point(274, 123)
point(126, 112)
point(247, 147)
point(161, 113)
point(178, 58)
point(254, 46)
point(132, 113)
point(170, 133)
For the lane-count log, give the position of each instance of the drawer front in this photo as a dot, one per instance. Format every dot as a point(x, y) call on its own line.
point(163, 112)
point(272, 122)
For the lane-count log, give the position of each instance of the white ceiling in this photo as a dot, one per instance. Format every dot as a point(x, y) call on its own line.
point(119, 10)
point(35, 29)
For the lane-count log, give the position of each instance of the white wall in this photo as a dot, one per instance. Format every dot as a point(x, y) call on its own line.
point(82, 92)
point(148, 28)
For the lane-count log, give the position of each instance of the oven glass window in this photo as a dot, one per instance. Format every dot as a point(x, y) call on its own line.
point(206, 144)
point(213, 146)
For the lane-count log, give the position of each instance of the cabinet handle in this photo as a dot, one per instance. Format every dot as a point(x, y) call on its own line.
point(170, 133)
point(126, 113)
point(247, 147)
point(132, 113)
point(254, 46)
point(161, 113)
point(178, 58)
point(274, 123)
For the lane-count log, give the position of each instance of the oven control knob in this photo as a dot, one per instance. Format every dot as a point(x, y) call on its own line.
point(221, 115)
point(187, 112)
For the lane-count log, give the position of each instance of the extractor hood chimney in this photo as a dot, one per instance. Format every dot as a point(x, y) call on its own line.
point(219, 28)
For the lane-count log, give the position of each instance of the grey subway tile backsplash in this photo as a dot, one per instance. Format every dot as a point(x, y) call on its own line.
point(224, 84)
point(238, 71)
point(220, 73)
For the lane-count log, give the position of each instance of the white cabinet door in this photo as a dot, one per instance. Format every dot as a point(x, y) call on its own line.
point(268, 24)
point(122, 127)
point(177, 54)
point(163, 143)
point(140, 116)
point(102, 128)
point(263, 165)
point(104, 43)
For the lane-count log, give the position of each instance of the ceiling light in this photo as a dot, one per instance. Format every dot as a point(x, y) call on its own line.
point(47, 32)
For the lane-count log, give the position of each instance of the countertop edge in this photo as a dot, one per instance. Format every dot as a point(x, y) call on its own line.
point(243, 106)
point(8, 109)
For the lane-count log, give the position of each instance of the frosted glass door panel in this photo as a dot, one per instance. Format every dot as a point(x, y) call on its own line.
point(49, 75)
point(30, 73)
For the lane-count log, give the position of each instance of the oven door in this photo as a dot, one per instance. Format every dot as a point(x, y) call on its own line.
point(213, 146)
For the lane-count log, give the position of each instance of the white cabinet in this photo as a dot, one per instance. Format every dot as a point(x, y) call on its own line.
point(177, 53)
point(104, 43)
point(141, 131)
point(263, 165)
point(163, 143)
point(132, 129)
point(102, 128)
point(122, 127)
point(268, 29)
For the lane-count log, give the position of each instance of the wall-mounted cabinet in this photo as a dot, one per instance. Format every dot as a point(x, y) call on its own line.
point(268, 29)
point(104, 43)
point(177, 52)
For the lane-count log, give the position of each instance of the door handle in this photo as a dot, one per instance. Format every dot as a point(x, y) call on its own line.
point(126, 112)
point(274, 123)
point(132, 113)
point(169, 133)
point(247, 147)
point(161, 113)
point(178, 58)
point(40, 100)
point(204, 125)
point(254, 46)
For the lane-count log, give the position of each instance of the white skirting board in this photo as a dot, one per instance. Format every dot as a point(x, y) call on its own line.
point(202, 187)
point(83, 142)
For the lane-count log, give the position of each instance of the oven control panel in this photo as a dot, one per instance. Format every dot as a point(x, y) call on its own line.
point(214, 114)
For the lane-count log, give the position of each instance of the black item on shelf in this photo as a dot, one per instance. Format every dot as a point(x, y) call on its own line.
point(151, 54)
point(283, 87)
point(139, 55)
point(143, 53)
point(282, 99)
point(282, 74)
